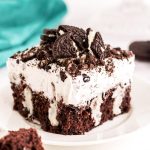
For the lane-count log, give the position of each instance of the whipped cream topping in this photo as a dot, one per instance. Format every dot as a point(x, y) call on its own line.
point(118, 94)
point(28, 100)
point(75, 91)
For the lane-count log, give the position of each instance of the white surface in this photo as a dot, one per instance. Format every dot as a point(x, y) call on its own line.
point(119, 23)
point(111, 131)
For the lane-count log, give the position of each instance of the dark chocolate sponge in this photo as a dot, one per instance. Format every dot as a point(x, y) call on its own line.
point(20, 140)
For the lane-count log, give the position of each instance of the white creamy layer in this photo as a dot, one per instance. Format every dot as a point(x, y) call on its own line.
point(118, 95)
point(73, 90)
point(28, 100)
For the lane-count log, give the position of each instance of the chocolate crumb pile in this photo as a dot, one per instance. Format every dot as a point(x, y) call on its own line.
point(24, 139)
point(73, 48)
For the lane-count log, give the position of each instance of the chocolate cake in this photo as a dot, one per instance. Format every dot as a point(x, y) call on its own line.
point(24, 139)
point(72, 81)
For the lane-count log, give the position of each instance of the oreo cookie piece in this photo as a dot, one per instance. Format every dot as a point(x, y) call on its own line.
point(64, 47)
point(49, 36)
point(50, 32)
point(29, 54)
point(42, 55)
point(63, 76)
point(97, 45)
point(86, 78)
point(72, 29)
point(141, 49)
point(78, 35)
point(47, 39)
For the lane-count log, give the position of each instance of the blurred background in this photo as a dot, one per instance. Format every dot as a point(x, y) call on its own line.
point(120, 22)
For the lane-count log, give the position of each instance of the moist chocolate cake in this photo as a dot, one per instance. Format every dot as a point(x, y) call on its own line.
point(71, 82)
point(24, 139)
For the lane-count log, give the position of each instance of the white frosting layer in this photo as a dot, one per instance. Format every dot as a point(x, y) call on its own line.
point(73, 90)
point(52, 114)
point(90, 40)
point(95, 107)
point(118, 94)
point(28, 100)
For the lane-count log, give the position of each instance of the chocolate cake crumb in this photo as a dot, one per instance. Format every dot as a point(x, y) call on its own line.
point(63, 76)
point(86, 78)
point(119, 54)
point(107, 106)
point(20, 140)
point(125, 105)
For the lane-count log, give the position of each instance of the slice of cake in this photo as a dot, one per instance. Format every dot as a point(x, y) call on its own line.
point(72, 82)
point(24, 139)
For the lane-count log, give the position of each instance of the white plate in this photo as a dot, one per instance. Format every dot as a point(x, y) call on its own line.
point(137, 118)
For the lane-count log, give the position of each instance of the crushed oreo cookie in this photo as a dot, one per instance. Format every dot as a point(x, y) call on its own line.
point(63, 76)
point(28, 54)
point(73, 69)
point(16, 55)
point(119, 54)
point(109, 66)
point(72, 48)
point(86, 78)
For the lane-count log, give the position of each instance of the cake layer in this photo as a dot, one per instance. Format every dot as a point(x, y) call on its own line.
point(24, 139)
point(69, 119)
